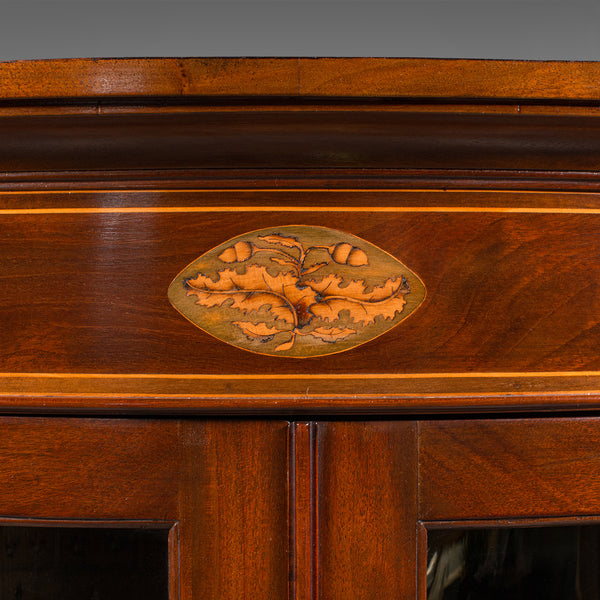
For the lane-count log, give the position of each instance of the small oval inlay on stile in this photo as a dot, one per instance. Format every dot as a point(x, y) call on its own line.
point(296, 291)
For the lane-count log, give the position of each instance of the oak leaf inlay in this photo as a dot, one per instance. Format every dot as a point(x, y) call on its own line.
point(296, 291)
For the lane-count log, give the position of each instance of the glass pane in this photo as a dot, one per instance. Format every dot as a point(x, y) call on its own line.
point(51, 563)
point(521, 563)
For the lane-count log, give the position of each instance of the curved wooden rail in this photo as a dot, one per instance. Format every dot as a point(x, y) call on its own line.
point(300, 77)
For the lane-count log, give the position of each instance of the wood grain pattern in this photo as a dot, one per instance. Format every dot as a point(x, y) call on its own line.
point(89, 78)
point(234, 510)
point(224, 485)
point(298, 395)
point(359, 77)
point(84, 469)
point(293, 200)
point(506, 292)
point(438, 78)
point(482, 176)
point(303, 523)
point(512, 307)
point(509, 468)
point(366, 510)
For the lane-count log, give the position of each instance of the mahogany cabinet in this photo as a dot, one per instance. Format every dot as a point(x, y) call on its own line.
point(316, 329)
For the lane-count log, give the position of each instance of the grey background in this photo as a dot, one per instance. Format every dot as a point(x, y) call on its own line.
point(508, 29)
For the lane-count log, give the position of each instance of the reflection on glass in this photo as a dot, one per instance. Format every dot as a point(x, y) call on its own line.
point(533, 563)
point(52, 563)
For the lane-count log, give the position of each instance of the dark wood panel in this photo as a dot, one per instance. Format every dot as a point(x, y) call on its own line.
point(509, 468)
point(84, 469)
point(287, 139)
point(234, 510)
point(506, 292)
point(366, 510)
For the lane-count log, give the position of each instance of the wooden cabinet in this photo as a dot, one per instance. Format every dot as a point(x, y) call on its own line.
point(302, 318)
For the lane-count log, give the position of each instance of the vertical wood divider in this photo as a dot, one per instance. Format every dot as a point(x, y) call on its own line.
point(367, 511)
point(174, 563)
point(302, 511)
point(421, 573)
point(234, 509)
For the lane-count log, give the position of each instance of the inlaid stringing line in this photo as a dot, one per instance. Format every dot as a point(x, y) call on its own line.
point(287, 191)
point(132, 396)
point(341, 376)
point(297, 209)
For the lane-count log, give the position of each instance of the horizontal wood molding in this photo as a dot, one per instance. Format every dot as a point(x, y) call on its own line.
point(446, 143)
point(292, 180)
point(300, 77)
point(299, 393)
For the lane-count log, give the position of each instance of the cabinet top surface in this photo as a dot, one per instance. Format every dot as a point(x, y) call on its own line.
point(300, 78)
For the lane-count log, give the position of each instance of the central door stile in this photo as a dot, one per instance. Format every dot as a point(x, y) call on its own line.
point(303, 511)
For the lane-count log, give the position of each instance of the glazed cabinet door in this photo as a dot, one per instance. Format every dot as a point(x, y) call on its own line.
point(143, 508)
point(509, 508)
point(451, 509)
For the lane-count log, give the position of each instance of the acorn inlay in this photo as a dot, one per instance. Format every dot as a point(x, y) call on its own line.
point(296, 291)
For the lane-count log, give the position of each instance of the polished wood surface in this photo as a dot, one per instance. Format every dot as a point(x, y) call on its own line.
point(219, 486)
point(345, 77)
point(510, 308)
point(506, 469)
point(88, 469)
point(234, 509)
point(362, 138)
point(303, 511)
point(312, 478)
point(367, 509)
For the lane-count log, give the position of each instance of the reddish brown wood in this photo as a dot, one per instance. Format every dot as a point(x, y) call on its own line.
point(357, 77)
point(91, 78)
point(438, 78)
point(100, 469)
point(302, 511)
point(233, 510)
point(507, 293)
point(422, 559)
point(366, 510)
point(344, 402)
point(114, 175)
point(222, 486)
point(505, 468)
point(295, 198)
point(294, 180)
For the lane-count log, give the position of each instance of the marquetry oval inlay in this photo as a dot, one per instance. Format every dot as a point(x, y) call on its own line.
point(296, 291)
